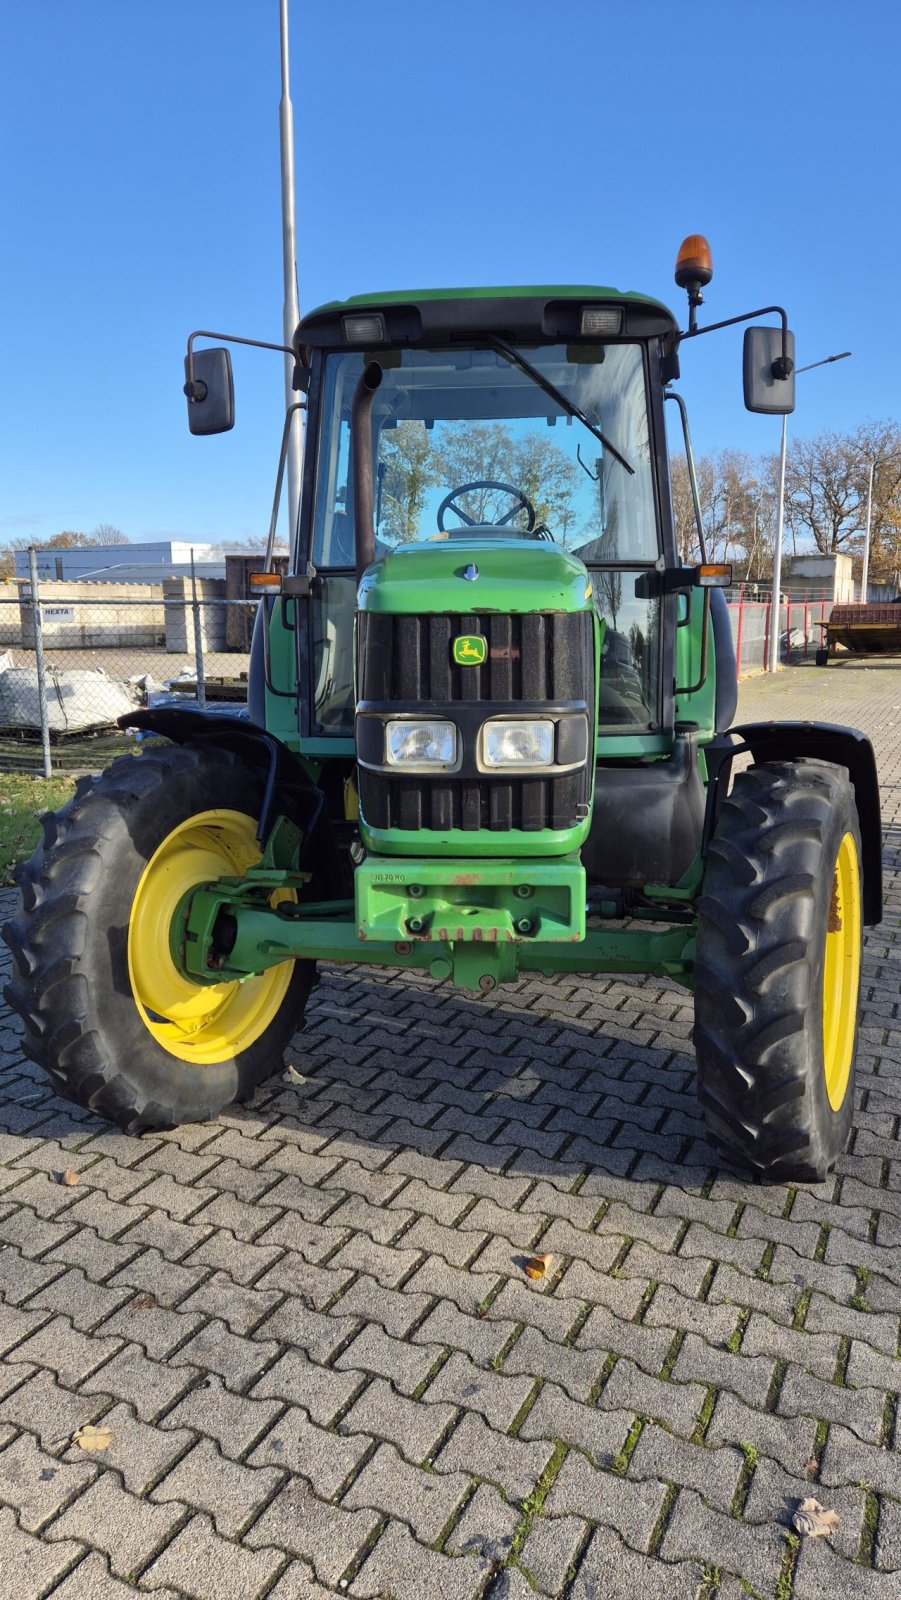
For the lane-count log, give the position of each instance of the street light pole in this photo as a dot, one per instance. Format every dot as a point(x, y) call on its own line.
point(865, 574)
point(290, 312)
point(775, 615)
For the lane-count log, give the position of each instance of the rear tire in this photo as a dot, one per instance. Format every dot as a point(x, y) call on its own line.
point(777, 974)
point(87, 960)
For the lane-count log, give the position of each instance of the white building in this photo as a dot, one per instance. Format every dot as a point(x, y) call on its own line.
point(120, 563)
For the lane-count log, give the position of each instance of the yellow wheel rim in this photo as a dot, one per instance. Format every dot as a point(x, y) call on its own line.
point(203, 1024)
point(841, 972)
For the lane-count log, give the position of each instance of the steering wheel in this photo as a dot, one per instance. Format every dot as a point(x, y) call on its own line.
point(523, 503)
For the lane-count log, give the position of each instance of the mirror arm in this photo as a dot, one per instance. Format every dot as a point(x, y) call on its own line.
point(783, 365)
point(670, 394)
point(299, 405)
point(192, 389)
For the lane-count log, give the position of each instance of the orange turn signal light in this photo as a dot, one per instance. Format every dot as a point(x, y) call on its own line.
point(714, 575)
point(269, 582)
point(694, 263)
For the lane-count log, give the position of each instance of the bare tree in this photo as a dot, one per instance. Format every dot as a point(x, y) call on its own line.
point(107, 533)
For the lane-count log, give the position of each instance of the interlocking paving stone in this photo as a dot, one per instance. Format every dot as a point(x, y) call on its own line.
point(820, 1571)
point(789, 1441)
point(774, 1495)
point(426, 1500)
point(846, 1459)
point(229, 1493)
point(234, 1421)
point(495, 1395)
point(859, 1409)
point(632, 1508)
point(44, 1407)
point(253, 1304)
point(400, 1567)
point(713, 1472)
point(201, 1564)
point(36, 1565)
point(513, 1464)
point(486, 1527)
point(696, 1532)
point(126, 1530)
point(550, 1550)
point(150, 1386)
point(376, 1352)
point(325, 1535)
point(414, 1426)
point(611, 1568)
point(35, 1484)
point(324, 1457)
point(298, 1381)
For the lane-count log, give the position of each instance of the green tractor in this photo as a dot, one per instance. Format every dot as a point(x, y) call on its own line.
point(489, 733)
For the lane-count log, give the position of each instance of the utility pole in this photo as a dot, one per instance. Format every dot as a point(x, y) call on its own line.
point(775, 615)
point(865, 574)
point(291, 311)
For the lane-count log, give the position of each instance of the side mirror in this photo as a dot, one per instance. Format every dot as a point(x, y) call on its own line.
point(211, 396)
point(764, 390)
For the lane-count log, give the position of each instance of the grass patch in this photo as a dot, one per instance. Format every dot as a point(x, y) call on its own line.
point(704, 1415)
point(624, 1456)
point(868, 1531)
point(738, 1332)
point(532, 1505)
point(25, 799)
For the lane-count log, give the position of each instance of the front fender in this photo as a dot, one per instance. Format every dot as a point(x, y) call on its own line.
point(817, 741)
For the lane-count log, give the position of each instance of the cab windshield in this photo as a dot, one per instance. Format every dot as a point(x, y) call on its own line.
point(469, 445)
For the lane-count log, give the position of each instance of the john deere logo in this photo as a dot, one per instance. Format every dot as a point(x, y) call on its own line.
point(470, 650)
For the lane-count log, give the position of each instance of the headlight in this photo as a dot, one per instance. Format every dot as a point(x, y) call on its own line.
point(416, 744)
point(518, 744)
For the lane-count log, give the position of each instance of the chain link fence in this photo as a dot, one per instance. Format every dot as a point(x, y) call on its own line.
point(77, 655)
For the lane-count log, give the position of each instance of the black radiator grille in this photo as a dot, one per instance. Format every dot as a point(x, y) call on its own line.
point(534, 657)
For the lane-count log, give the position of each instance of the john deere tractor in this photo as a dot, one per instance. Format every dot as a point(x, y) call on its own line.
point(489, 733)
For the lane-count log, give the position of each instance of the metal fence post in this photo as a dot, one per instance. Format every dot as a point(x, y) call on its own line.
point(198, 641)
point(39, 660)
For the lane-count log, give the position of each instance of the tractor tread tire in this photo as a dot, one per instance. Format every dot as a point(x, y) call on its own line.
point(55, 988)
point(758, 973)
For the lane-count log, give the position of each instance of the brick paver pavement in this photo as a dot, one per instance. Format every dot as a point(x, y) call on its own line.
point(308, 1327)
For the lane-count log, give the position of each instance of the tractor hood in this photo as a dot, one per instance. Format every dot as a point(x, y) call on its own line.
point(476, 575)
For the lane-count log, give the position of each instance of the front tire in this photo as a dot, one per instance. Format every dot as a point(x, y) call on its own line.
point(777, 974)
point(107, 1013)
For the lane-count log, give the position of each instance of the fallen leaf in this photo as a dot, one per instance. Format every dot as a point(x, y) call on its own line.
point(144, 1302)
point(91, 1438)
point(811, 1466)
point(291, 1075)
point(480, 1313)
point(70, 1178)
point(538, 1266)
point(813, 1521)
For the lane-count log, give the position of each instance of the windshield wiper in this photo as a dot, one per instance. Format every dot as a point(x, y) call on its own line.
point(563, 402)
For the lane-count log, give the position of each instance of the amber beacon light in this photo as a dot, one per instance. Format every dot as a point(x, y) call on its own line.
point(694, 270)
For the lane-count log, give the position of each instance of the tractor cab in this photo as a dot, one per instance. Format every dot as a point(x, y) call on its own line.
point(523, 428)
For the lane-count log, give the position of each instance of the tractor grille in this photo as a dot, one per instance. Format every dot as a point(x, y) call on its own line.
point(535, 661)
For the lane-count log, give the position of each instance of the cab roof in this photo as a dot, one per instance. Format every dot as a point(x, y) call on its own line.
point(532, 314)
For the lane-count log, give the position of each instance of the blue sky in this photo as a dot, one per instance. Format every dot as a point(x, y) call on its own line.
point(487, 141)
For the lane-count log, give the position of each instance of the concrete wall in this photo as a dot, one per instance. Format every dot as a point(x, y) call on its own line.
point(91, 616)
point(827, 576)
point(180, 616)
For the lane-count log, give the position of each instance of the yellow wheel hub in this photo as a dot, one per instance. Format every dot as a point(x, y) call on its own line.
point(841, 972)
point(203, 1024)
